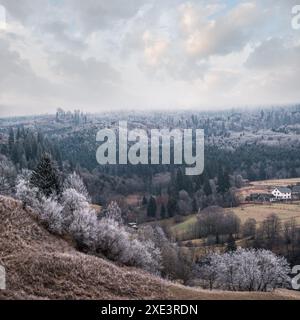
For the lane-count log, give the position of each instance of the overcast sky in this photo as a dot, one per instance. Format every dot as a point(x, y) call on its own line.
point(146, 54)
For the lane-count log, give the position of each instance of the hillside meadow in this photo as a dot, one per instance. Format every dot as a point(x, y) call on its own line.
point(40, 265)
point(258, 211)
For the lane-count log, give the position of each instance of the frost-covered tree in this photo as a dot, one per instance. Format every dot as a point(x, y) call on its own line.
point(175, 263)
point(72, 201)
point(115, 242)
point(207, 270)
point(25, 192)
point(114, 212)
point(246, 270)
point(74, 181)
point(273, 269)
point(145, 255)
point(51, 215)
point(112, 239)
point(83, 228)
point(79, 219)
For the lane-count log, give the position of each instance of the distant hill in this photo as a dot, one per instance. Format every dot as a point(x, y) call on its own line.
point(42, 266)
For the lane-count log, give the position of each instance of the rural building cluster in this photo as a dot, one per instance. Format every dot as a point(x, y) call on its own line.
point(277, 194)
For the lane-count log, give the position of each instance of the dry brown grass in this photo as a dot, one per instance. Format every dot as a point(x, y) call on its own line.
point(134, 199)
point(42, 266)
point(183, 293)
point(277, 182)
point(260, 212)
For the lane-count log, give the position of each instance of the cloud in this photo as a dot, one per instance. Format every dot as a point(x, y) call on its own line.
point(207, 36)
point(76, 82)
point(17, 76)
point(61, 33)
point(90, 70)
point(275, 65)
point(162, 54)
point(274, 54)
point(154, 48)
point(96, 14)
point(23, 10)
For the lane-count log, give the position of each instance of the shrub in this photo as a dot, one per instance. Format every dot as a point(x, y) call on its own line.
point(25, 192)
point(74, 181)
point(114, 212)
point(83, 228)
point(245, 270)
point(72, 201)
point(51, 215)
point(115, 242)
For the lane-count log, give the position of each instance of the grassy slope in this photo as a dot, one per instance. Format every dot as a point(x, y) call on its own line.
point(259, 212)
point(42, 266)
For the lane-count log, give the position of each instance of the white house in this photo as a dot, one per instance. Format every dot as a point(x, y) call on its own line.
point(282, 193)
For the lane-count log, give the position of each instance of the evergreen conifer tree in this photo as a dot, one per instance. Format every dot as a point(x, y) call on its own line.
point(231, 245)
point(144, 201)
point(172, 207)
point(11, 139)
point(151, 209)
point(163, 211)
point(223, 180)
point(207, 188)
point(45, 177)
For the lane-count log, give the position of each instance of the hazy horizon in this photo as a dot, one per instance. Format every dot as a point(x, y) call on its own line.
point(101, 56)
point(52, 112)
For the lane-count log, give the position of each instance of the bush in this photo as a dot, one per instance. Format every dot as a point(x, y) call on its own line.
point(25, 192)
point(84, 229)
point(175, 263)
point(72, 201)
point(51, 215)
point(245, 270)
point(115, 242)
point(74, 181)
point(114, 212)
